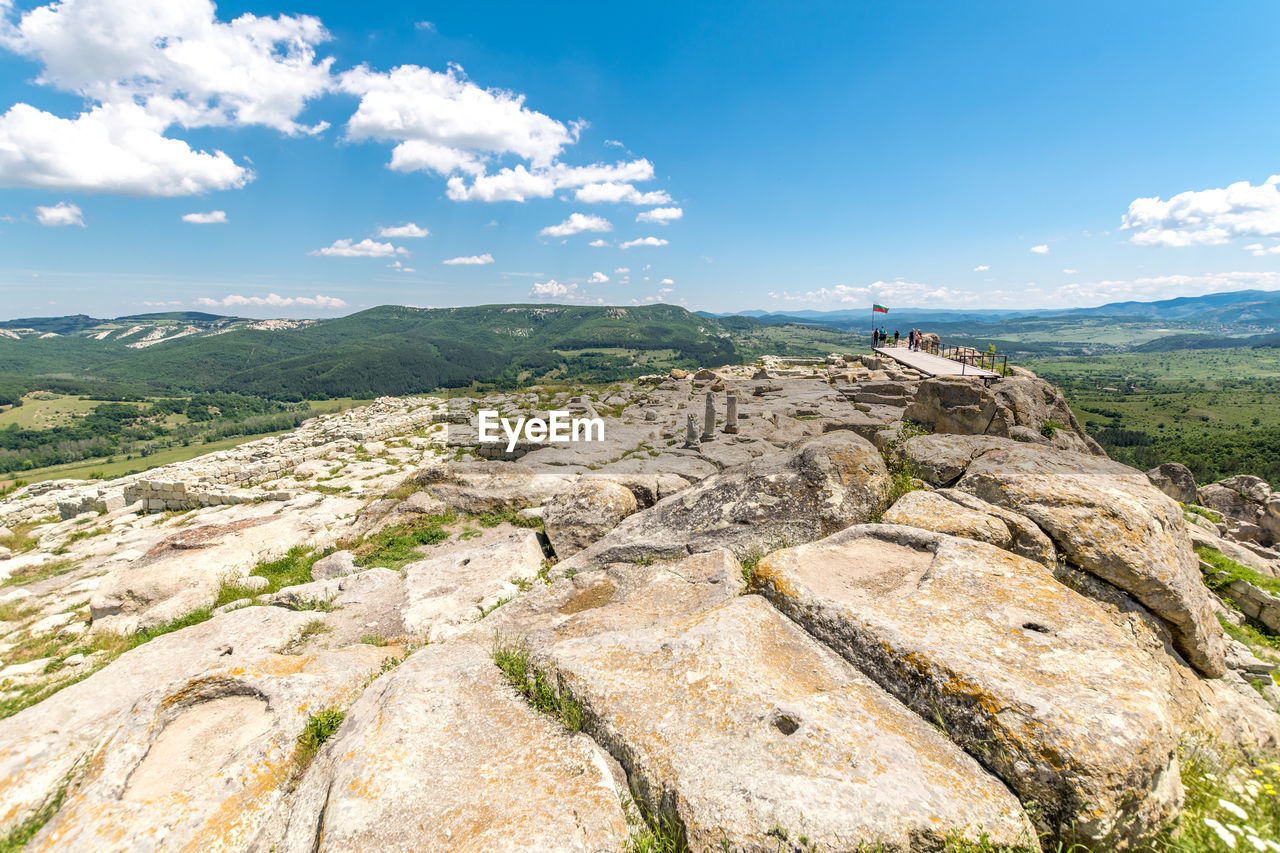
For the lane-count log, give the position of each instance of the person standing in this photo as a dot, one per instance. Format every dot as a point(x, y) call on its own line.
point(897, 336)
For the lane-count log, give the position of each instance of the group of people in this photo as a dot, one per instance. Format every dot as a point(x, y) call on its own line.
point(880, 338)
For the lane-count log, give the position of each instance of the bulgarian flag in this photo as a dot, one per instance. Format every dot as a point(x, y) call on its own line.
point(878, 308)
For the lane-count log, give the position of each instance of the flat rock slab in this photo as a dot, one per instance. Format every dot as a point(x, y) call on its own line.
point(621, 596)
point(1025, 674)
point(444, 594)
point(201, 767)
point(961, 514)
point(738, 722)
point(41, 745)
point(441, 754)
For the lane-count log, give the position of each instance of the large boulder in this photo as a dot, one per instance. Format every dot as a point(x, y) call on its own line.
point(1033, 405)
point(955, 404)
point(743, 726)
point(1175, 480)
point(961, 514)
point(441, 754)
point(1110, 521)
point(812, 491)
point(1250, 508)
point(584, 512)
point(1025, 674)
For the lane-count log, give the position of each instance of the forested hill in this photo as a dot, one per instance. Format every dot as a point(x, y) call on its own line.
point(386, 350)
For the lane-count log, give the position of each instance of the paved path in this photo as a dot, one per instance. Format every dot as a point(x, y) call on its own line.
point(934, 365)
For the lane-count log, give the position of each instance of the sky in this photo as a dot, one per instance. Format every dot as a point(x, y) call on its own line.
point(312, 159)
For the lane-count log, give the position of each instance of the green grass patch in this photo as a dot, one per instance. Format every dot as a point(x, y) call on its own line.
point(1234, 571)
point(513, 517)
point(514, 659)
point(1203, 512)
point(650, 833)
point(18, 836)
point(318, 729)
point(16, 611)
point(396, 546)
point(34, 574)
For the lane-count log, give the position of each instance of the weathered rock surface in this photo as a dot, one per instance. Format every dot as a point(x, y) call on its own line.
point(993, 645)
point(1249, 507)
point(585, 512)
point(200, 767)
point(40, 747)
point(440, 754)
point(738, 722)
point(1175, 480)
point(961, 514)
point(336, 565)
point(816, 489)
point(446, 593)
point(1109, 520)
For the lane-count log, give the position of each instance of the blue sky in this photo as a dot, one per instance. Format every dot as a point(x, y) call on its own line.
point(783, 156)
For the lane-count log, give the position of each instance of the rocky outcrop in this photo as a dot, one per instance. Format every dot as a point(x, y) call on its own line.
point(1175, 480)
point(816, 489)
point(1110, 521)
point(990, 644)
point(583, 513)
point(1247, 504)
point(1020, 407)
point(441, 754)
point(738, 723)
point(961, 514)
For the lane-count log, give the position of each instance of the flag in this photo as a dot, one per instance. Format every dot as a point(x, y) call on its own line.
point(879, 308)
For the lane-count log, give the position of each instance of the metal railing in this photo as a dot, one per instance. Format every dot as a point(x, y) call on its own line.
point(996, 362)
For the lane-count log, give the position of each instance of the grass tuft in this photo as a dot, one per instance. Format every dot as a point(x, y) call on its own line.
point(396, 546)
point(318, 729)
point(514, 658)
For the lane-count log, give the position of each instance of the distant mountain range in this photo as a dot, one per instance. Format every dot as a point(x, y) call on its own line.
point(1253, 311)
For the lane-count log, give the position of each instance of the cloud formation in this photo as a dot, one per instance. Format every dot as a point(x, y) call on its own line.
point(597, 278)
point(615, 192)
point(272, 300)
point(62, 213)
point(660, 215)
point(981, 268)
point(146, 66)
point(643, 241)
point(576, 224)
point(366, 248)
point(409, 229)
point(213, 217)
point(470, 260)
point(1042, 249)
point(1206, 217)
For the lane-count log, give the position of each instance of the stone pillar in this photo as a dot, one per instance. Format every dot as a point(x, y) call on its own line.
point(709, 425)
point(690, 431)
point(731, 415)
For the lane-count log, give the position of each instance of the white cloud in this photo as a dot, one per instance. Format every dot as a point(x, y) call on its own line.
point(470, 260)
point(213, 217)
point(114, 148)
point(399, 267)
point(272, 300)
point(1206, 217)
point(520, 183)
point(597, 278)
point(1042, 249)
point(177, 60)
point(901, 292)
point(614, 143)
point(598, 244)
point(660, 215)
point(1260, 251)
point(576, 224)
point(424, 25)
point(1069, 272)
point(409, 229)
point(622, 270)
point(366, 248)
point(552, 289)
point(981, 268)
point(446, 110)
point(62, 213)
point(667, 281)
point(643, 241)
point(613, 192)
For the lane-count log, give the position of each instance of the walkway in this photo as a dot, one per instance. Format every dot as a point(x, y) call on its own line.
point(934, 365)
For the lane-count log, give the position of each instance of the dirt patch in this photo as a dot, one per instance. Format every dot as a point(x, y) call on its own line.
point(596, 595)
